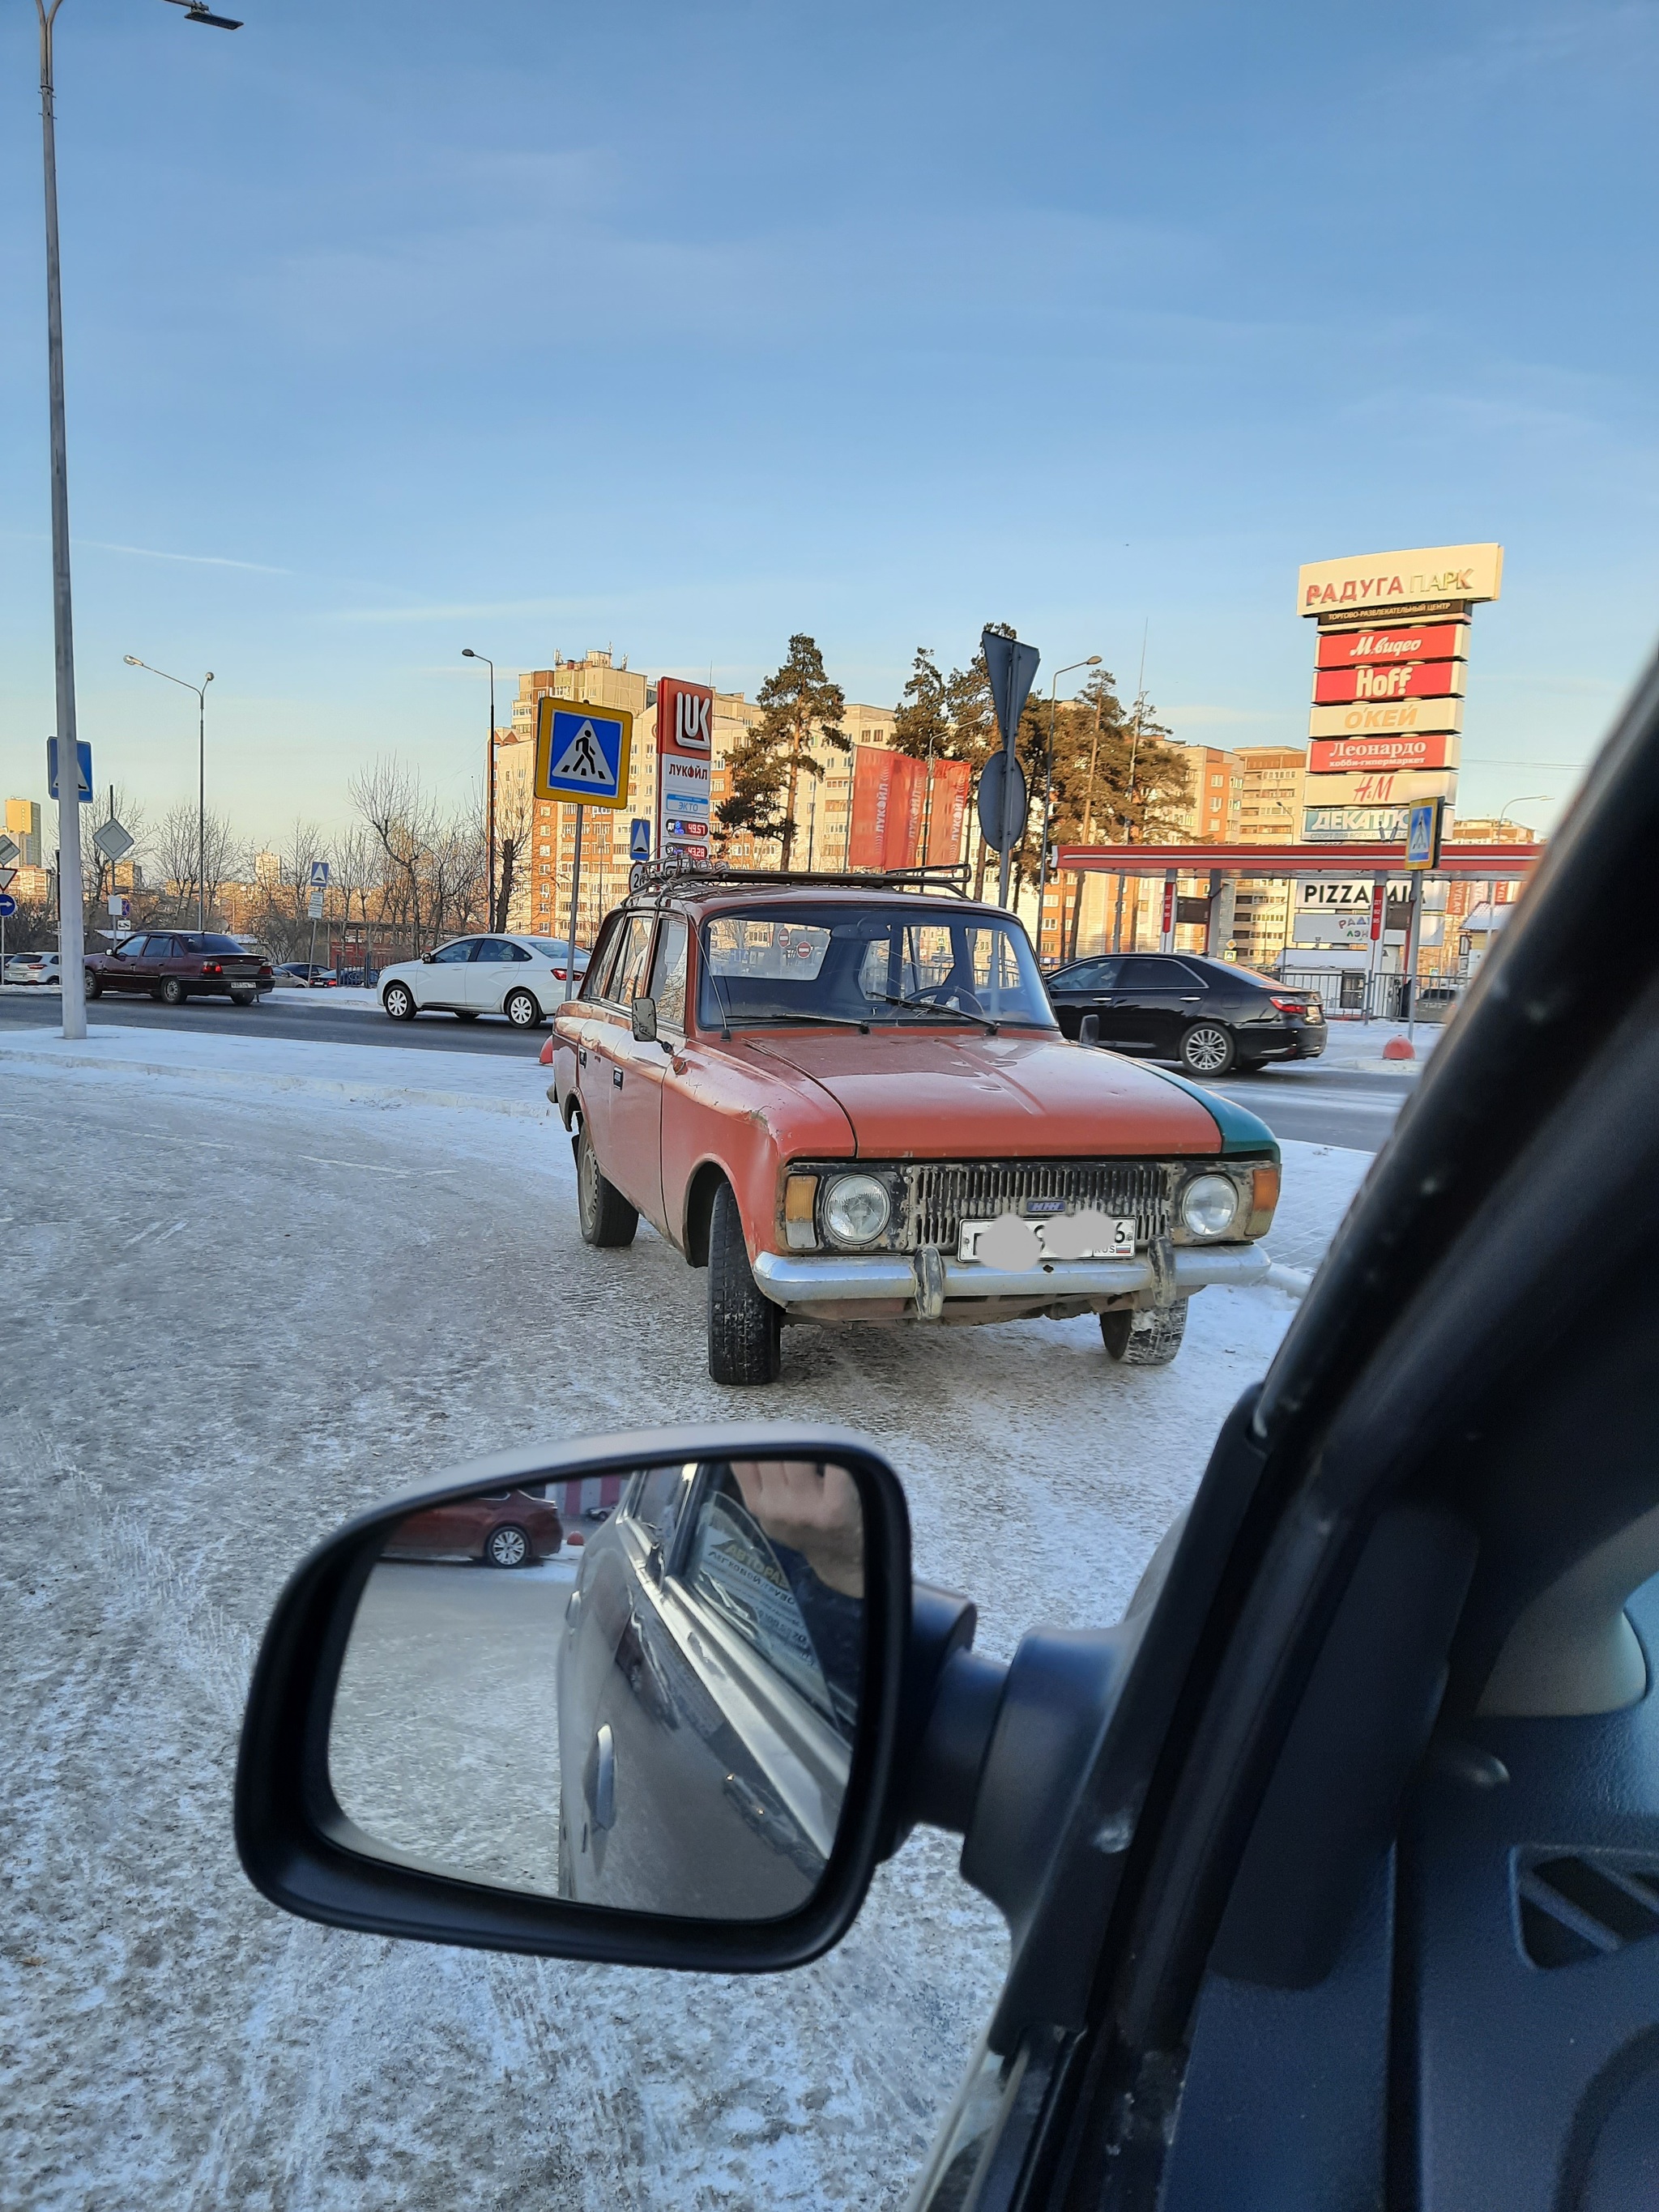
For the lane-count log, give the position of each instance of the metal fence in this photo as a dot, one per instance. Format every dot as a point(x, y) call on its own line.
point(1351, 995)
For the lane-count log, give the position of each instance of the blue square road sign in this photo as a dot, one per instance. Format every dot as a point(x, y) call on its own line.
point(639, 840)
point(581, 752)
point(83, 764)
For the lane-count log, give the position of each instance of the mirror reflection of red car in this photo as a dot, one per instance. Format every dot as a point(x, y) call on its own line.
point(506, 1529)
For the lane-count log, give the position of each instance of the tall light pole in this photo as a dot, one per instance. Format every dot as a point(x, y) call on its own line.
point(467, 653)
point(1527, 798)
point(200, 690)
point(1093, 661)
point(71, 920)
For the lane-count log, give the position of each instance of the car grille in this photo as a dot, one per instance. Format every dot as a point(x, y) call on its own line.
point(941, 1196)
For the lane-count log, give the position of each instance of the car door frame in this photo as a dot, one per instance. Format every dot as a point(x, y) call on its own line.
point(1409, 1330)
point(604, 1060)
point(420, 970)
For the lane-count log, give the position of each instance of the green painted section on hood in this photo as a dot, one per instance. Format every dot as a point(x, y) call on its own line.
point(1241, 1131)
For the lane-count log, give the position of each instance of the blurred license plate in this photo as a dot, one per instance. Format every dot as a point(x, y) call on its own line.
point(1062, 1236)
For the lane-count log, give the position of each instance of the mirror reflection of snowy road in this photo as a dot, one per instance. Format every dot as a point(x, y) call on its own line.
point(231, 1318)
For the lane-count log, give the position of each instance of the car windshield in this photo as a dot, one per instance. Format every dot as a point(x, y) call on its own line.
point(867, 965)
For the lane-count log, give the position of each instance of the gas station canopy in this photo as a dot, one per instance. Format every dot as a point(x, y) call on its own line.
point(1482, 863)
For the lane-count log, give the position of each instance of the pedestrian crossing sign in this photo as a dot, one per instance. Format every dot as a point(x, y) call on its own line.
point(581, 752)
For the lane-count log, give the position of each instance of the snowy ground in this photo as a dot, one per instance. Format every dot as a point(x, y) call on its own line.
point(232, 1313)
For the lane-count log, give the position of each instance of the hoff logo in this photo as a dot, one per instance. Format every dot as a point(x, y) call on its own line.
point(691, 722)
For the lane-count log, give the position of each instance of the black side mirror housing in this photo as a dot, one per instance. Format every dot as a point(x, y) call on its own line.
point(426, 959)
point(1088, 1031)
point(643, 1016)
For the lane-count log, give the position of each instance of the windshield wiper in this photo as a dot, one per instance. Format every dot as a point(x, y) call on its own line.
point(932, 1006)
point(830, 1021)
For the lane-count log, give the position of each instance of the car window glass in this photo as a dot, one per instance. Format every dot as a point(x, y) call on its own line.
point(1154, 975)
point(599, 967)
point(740, 945)
point(631, 961)
point(131, 949)
point(655, 1502)
point(668, 973)
point(211, 943)
point(462, 949)
point(514, 951)
point(163, 948)
point(495, 949)
point(1093, 976)
point(737, 1572)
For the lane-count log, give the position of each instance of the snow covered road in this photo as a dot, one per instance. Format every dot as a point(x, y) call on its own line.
point(230, 1317)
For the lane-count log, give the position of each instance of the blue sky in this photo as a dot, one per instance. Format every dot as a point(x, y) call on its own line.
point(395, 329)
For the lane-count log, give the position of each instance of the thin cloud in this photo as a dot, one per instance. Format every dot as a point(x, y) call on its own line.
point(195, 560)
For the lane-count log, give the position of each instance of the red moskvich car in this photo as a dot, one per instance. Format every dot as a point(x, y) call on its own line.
point(850, 1101)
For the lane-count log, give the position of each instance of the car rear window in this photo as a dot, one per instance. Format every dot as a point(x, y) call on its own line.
point(210, 944)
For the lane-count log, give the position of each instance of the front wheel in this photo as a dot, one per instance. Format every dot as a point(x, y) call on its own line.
point(1149, 1338)
point(399, 1002)
point(172, 991)
point(744, 1326)
point(506, 1547)
point(1207, 1049)
point(94, 984)
point(602, 1214)
point(521, 1010)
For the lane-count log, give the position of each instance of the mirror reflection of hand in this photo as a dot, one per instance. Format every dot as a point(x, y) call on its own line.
point(815, 1510)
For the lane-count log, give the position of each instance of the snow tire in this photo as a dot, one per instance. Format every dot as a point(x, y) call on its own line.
point(399, 1002)
point(1149, 1338)
point(508, 1546)
point(1208, 1048)
point(744, 1326)
point(172, 991)
point(522, 1011)
point(604, 1215)
point(94, 984)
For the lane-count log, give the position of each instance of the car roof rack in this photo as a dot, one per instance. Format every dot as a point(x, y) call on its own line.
point(695, 878)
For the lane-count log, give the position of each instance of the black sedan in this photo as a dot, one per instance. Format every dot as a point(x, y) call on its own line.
point(1206, 1015)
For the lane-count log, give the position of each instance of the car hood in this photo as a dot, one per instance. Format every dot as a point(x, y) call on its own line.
point(913, 1094)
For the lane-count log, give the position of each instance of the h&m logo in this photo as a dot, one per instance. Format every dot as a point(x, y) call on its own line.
point(691, 722)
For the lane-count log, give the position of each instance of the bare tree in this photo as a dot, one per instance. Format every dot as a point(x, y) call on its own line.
point(97, 874)
point(515, 824)
point(355, 872)
point(177, 841)
point(434, 863)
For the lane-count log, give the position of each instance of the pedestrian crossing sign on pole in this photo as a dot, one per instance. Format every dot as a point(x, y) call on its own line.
point(581, 752)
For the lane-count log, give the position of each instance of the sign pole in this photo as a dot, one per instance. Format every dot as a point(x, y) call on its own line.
point(575, 885)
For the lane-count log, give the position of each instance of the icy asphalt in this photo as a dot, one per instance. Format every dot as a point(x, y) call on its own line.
point(234, 1313)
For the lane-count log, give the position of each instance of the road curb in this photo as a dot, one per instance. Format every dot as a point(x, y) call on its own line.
point(399, 1094)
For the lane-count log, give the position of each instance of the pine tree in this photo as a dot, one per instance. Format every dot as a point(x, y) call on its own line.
point(798, 704)
point(921, 721)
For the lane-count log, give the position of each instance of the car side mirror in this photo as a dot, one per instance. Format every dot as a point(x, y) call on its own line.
point(426, 959)
point(461, 1729)
point(644, 1019)
point(1088, 1029)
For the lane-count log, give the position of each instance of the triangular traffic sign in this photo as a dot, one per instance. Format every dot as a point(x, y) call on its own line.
point(583, 761)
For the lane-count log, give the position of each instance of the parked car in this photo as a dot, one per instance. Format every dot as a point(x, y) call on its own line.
point(502, 1527)
point(357, 977)
point(853, 1104)
point(34, 968)
point(1206, 1015)
point(303, 974)
point(729, 1705)
point(523, 977)
point(173, 965)
point(1331, 1872)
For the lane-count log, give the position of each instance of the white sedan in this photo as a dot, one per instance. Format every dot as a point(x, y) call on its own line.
point(523, 977)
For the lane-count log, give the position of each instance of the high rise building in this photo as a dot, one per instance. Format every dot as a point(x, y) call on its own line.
point(1269, 813)
point(23, 828)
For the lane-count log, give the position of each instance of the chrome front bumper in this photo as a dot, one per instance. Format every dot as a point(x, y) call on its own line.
point(790, 1278)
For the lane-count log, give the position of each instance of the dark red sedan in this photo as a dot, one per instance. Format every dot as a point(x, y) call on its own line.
point(506, 1529)
point(177, 964)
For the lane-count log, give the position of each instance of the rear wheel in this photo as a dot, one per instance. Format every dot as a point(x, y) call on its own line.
point(1150, 1338)
point(172, 991)
point(399, 1002)
point(243, 998)
point(604, 1216)
point(744, 1326)
point(94, 984)
point(508, 1546)
point(521, 1010)
point(1207, 1049)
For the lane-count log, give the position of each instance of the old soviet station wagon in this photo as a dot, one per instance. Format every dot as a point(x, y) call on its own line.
point(849, 1100)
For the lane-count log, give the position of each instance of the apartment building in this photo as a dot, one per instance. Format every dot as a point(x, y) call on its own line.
point(23, 828)
point(1270, 800)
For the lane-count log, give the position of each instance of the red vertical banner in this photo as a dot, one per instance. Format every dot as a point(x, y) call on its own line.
point(947, 811)
point(871, 800)
point(904, 814)
point(1378, 893)
point(1168, 905)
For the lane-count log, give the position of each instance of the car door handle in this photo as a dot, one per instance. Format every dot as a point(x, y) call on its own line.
point(1191, 998)
point(616, 1077)
point(581, 1056)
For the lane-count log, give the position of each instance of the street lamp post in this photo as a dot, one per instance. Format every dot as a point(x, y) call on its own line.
point(71, 920)
point(1093, 661)
point(200, 690)
point(467, 653)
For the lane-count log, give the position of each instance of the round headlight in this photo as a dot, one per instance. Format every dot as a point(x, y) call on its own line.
point(856, 1208)
point(1209, 1204)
